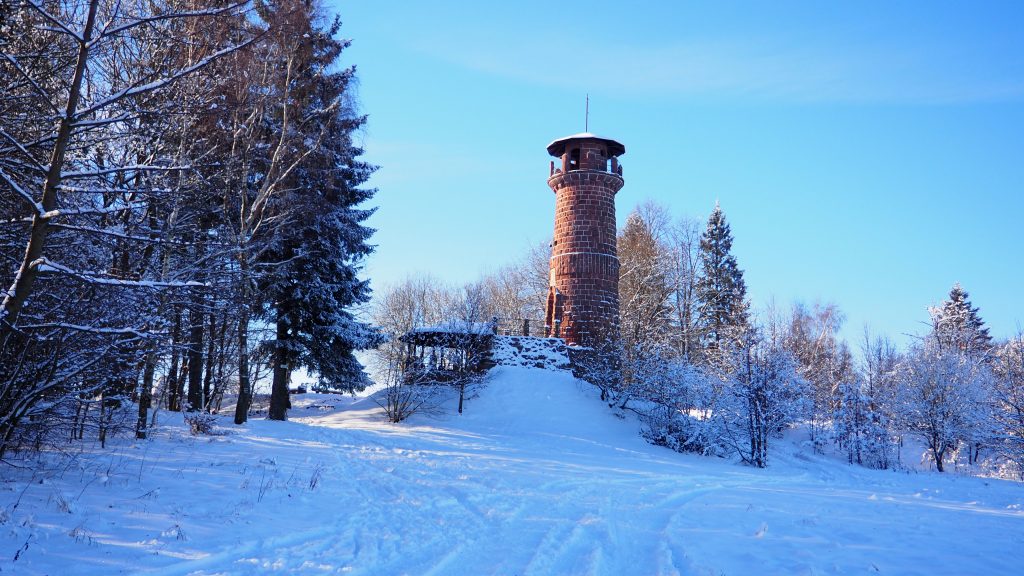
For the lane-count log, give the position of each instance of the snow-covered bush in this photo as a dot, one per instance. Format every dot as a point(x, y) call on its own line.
point(946, 399)
point(675, 401)
point(696, 409)
point(863, 426)
point(200, 423)
point(601, 365)
point(761, 397)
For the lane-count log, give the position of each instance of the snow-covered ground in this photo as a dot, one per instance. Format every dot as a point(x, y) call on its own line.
point(537, 477)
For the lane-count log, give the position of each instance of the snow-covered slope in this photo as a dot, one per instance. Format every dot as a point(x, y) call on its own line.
point(537, 477)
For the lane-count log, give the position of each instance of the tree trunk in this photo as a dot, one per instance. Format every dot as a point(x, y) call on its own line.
point(244, 387)
point(210, 364)
point(279, 401)
point(146, 393)
point(12, 304)
point(195, 357)
point(219, 363)
point(102, 421)
point(174, 390)
point(937, 453)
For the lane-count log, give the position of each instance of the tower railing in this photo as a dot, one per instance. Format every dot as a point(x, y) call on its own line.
point(612, 166)
point(520, 327)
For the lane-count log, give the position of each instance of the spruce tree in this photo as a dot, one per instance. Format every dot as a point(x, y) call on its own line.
point(958, 326)
point(312, 267)
point(721, 291)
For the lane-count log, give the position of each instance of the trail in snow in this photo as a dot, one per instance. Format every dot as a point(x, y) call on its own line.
point(535, 478)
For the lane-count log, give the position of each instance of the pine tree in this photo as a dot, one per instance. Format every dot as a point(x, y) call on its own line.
point(721, 291)
point(958, 326)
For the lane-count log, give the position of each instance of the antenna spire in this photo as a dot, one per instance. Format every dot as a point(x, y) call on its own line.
point(586, 118)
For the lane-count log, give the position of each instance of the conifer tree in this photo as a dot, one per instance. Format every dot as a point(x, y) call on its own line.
point(721, 291)
point(958, 326)
point(311, 277)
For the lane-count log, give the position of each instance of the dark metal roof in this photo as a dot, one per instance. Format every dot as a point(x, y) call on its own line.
point(557, 148)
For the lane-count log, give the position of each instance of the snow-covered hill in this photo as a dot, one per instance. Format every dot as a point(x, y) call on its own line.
point(537, 477)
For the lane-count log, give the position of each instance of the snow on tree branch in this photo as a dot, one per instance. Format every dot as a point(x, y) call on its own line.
point(44, 265)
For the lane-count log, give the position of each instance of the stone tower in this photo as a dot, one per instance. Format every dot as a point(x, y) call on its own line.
point(583, 298)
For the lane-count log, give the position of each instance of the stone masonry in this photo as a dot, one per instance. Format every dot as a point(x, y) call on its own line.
point(583, 302)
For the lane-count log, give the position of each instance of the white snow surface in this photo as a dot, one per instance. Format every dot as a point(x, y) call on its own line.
point(536, 477)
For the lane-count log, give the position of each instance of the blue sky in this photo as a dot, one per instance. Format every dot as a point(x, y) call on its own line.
point(869, 154)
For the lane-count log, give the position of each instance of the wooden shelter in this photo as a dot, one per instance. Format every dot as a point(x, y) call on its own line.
point(448, 351)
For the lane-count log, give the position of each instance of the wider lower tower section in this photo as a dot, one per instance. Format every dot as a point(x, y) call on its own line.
point(583, 299)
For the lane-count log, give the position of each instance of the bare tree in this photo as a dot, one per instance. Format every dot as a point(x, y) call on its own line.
point(945, 398)
point(823, 359)
point(761, 396)
point(644, 287)
point(83, 193)
point(518, 291)
point(415, 302)
point(1009, 397)
point(683, 244)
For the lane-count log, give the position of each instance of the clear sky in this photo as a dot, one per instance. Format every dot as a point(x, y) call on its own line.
point(869, 154)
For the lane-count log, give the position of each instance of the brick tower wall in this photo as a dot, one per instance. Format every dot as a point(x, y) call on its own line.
point(584, 263)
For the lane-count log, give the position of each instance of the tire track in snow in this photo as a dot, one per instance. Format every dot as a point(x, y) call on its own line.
point(672, 555)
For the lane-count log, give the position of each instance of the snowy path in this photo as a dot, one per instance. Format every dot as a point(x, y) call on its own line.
point(536, 478)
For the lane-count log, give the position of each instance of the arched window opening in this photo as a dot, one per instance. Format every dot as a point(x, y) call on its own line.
point(574, 159)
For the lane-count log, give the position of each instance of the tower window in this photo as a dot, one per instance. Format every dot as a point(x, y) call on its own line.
point(574, 159)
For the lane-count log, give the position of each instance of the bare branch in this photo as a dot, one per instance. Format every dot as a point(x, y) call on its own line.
point(35, 165)
point(96, 329)
point(118, 169)
point(61, 28)
point(38, 88)
point(36, 207)
point(149, 87)
point(46, 265)
point(170, 16)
